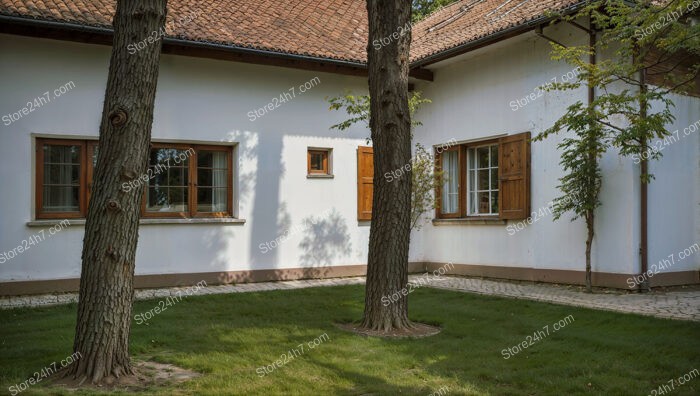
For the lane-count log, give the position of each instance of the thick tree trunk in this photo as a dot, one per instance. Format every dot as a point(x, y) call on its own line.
point(111, 231)
point(387, 264)
point(590, 223)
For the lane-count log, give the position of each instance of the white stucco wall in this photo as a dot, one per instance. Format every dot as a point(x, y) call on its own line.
point(197, 100)
point(200, 100)
point(674, 194)
point(472, 99)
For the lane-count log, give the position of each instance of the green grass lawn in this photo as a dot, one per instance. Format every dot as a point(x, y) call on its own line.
point(228, 338)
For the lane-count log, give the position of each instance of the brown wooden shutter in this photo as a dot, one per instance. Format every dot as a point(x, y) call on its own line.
point(365, 180)
point(514, 179)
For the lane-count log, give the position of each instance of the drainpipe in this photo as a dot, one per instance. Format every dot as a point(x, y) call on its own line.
point(592, 59)
point(591, 89)
point(643, 186)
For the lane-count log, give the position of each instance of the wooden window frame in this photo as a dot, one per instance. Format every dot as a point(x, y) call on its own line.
point(229, 179)
point(326, 152)
point(39, 179)
point(192, 184)
point(463, 210)
point(87, 149)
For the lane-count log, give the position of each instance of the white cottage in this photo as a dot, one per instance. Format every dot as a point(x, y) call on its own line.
point(247, 182)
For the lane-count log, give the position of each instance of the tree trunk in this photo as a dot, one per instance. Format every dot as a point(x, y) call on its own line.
point(387, 264)
point(590, 223)
point(643, 226)
point(592, 153)
point(644, 188)
point(111, 230)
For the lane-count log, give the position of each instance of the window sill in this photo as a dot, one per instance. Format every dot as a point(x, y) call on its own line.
point(203, 220)
point(469, 221)
point(312, 176)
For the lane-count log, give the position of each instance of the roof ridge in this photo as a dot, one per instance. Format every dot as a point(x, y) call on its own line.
point(337, 30)
point(462, 11)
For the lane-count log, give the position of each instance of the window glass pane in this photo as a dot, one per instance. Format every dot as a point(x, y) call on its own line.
point(472, 180)
point(167, 199)
point(61, 181)
point(211, 199)
point(483, 202)
point(205, 159)
point(317, 159)
point(61, 199)
point(482, 177)
point(482, 154)
point(212, 183)
point(204, 177)
point(175, 176)
point(55, 154)
point(61, 174)
point(494, 178)
point(169, 156)
point(450, 189)
point(483, 180)
point(168, 180)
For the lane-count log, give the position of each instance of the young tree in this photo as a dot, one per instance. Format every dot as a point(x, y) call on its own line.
point(111, 230)
point(580, 158)
point(357, 106)
point(425, 178)
point(644, 39)
point(390, 123)
point(424, 181)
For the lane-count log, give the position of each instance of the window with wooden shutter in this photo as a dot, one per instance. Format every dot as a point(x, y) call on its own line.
point(488, 178)
point(514, 184)
point(365, 179)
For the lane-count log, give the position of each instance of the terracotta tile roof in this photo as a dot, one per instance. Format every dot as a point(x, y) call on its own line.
point(335, 29)
point(331, 29)
point(469, 20)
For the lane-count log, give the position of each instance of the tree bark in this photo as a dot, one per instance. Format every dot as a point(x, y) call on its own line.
point(111, 230)
point(592, 153)
point(387, 264)
point(644, 188)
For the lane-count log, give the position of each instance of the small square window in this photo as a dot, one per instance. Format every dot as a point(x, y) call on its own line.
point(318, 162)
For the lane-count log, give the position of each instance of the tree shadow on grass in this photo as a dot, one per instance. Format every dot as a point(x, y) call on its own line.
point(256, 328)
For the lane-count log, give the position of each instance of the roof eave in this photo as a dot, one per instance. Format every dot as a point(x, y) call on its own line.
point(172, 40)
point(492, 38)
